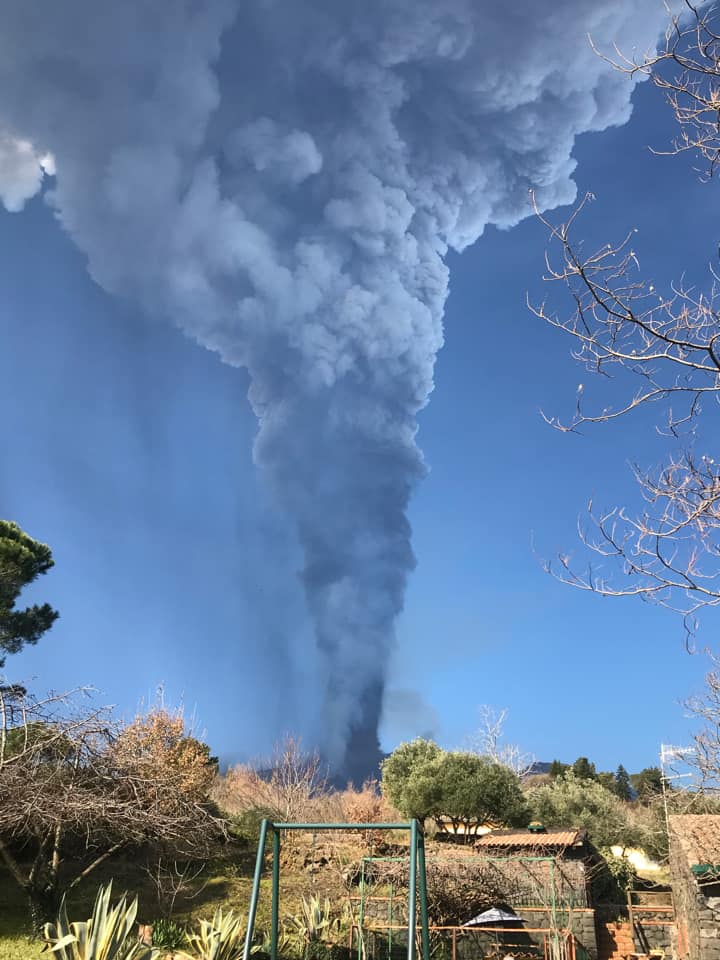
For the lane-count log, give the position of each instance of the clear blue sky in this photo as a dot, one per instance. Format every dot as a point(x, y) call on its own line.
point(580, 674)
point(128, 449)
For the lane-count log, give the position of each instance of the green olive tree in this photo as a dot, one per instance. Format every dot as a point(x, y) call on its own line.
point(455, 788)
point(570, 801)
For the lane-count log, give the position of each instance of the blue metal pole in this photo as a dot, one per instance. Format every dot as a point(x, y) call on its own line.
point(274, 922)
point(423, 898)
point(361, 913)
point(412, 890)
point(255, 889)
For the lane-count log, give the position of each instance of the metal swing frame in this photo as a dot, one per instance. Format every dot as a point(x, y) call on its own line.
point(417, 878)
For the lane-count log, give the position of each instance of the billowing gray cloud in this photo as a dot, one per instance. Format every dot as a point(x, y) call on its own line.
point(282, 180)
point(406, 715)
point(21, 171)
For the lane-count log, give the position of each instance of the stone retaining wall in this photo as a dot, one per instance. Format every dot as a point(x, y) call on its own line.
point(697, 913)
point(472, 942)
point(654, 931)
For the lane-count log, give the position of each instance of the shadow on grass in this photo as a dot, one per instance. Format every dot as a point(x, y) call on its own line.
point(16, 942)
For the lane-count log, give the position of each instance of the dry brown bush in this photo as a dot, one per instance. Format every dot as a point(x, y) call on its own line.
point(289, 787)
point(158, 742)
point(367, 805)
point(457, 890)
point(77, 786)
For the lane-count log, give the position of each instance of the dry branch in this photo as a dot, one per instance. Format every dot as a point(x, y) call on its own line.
point(76, 787)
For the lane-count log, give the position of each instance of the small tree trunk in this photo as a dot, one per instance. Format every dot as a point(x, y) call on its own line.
point(44, 902)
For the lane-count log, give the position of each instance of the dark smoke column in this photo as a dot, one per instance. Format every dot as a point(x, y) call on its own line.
point(362, 753)
point(347, 483)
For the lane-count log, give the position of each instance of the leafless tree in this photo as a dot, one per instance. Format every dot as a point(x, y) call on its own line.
point(687, 71)
point(76, 787)
point(286, 786)
point(663, 345)
point(704, 755)
point(488, 741)
point(173, 879)
point(690, 773)
point(458, 887)
point(295, 777)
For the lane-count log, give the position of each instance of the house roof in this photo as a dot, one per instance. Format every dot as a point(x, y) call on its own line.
point(699, 836)
point(555, 837)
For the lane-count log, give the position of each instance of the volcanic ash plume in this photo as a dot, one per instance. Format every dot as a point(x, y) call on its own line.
point(283, 180)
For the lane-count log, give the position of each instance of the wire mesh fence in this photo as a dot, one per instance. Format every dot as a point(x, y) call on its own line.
point(389, 942)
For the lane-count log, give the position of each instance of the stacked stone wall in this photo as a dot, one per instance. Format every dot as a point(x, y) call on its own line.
point(580, 922)
point(474, 942)
point(654, 931)
point(697, 910)
point(528, 886)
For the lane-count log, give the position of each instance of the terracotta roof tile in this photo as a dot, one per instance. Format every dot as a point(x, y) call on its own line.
point(552, 837)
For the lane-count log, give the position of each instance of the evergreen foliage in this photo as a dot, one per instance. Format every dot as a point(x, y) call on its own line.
point(583, 769)
point(22, 560)
point(558, 768)
point(622, 788)
point(574, 801)
point(423, 781)
point(401, 773)
point(648, 783)
point(607, 779)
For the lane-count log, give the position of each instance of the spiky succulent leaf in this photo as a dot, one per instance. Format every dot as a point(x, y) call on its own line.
point(107, 935)
point(222, 938)
point(168, 934)
point(316, 921)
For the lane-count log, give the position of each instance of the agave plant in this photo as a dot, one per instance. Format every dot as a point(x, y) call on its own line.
point(263, 943)
point(107, 935)
point(221, 938)
point(316, 922)
point(168, 935)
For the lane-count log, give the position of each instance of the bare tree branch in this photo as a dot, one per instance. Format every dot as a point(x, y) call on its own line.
point(663, 346)
point(287, 785)
point(687, 71)
point(488, 741)
point(72, 775)
point(668, 553)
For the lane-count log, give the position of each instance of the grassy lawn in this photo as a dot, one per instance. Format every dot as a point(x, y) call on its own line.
point(15, 939)
point(228, 883)
point(16, 946)
point(17, 942)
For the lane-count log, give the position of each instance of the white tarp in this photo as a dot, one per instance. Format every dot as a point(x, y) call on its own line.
point(493, 915)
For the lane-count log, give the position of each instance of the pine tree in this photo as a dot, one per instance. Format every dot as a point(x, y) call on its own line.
point(648, 783)
point(22, 559)
point(583, 769)
point(622, 784)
